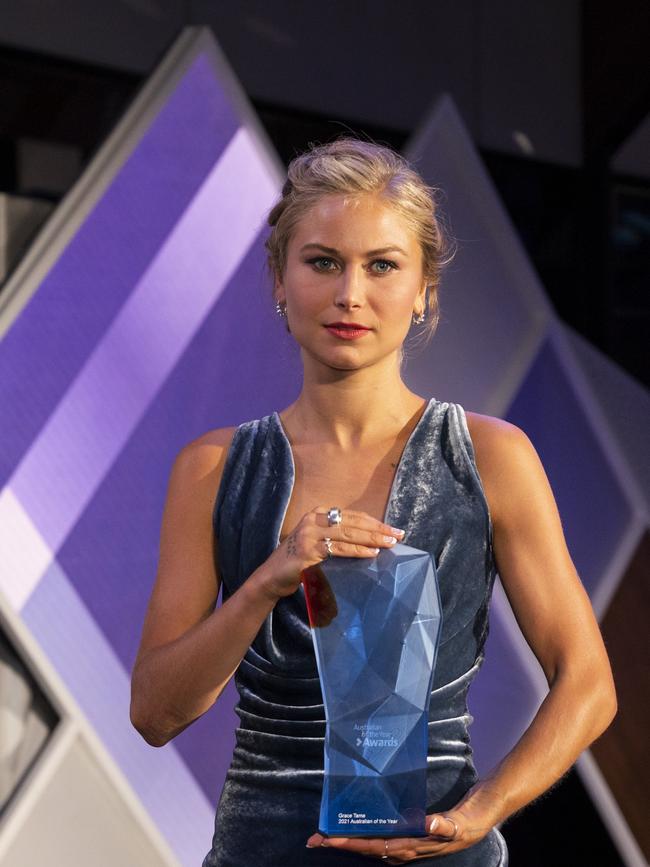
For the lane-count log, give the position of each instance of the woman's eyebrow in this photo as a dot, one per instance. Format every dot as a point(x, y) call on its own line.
point(389, 249)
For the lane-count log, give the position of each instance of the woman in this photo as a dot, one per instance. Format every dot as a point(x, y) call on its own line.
point(356, 251)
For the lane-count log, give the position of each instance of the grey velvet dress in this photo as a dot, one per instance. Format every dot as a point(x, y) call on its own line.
point(270, 800)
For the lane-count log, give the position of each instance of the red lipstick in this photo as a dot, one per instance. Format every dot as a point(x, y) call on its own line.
point(347, 330)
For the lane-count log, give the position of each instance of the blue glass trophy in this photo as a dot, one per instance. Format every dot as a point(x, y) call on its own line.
point(375, 625)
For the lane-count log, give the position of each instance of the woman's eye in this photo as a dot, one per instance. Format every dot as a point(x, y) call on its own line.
point(392, 265)
point(319, 260)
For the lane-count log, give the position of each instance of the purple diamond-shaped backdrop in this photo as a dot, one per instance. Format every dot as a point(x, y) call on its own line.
point(149, 327)
point(141, 317)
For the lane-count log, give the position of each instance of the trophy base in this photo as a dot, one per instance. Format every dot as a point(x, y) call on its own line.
point(370, 807)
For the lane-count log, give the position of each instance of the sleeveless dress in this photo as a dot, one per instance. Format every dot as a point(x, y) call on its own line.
point(270, 800)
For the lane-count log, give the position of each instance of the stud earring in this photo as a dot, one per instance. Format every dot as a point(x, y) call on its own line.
point(279, 309)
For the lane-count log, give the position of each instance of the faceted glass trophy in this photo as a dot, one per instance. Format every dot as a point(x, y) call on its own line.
point(375, 625)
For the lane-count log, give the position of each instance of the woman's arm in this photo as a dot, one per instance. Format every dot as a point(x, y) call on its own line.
point(554, 613)
point(556, 618)
point(189, 649)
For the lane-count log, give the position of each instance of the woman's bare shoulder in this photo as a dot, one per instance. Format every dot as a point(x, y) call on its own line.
point(205, 454)
point(504, 455)
point(216, 438)
point(489, 432)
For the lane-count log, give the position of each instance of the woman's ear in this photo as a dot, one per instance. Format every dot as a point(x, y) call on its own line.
point(278, 289)
point(281, 302)
point(422, 299)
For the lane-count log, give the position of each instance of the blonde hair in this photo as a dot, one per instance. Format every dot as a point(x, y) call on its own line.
point(353, 166)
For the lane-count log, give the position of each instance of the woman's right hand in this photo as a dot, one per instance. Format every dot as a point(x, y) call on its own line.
point(358, 535)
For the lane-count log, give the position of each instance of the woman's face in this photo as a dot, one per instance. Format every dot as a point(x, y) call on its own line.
point(351, 260)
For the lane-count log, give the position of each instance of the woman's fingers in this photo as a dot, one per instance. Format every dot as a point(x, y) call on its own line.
point(358, 530)
point(443, 826)
point(398, 849)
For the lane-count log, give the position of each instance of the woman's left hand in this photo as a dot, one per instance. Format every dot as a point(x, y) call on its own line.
point(471, 822)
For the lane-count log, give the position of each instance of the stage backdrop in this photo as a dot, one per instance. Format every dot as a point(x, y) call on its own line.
point(142, 317)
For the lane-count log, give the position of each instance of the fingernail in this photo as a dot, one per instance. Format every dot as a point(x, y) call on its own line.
point(309, 845)
point(434, 824)
point(390, 539)
point(397, 530)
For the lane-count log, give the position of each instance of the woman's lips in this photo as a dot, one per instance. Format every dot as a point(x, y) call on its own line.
point(347, 333)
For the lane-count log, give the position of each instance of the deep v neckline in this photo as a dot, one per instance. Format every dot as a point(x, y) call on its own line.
point(391, 494)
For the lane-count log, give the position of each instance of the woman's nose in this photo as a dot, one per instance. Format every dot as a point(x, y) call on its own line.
point(350, 286)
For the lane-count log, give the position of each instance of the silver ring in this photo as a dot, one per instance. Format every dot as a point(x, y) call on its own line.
point(334, 516)
point(449, 819)
point(384, 857)
point(328, 545)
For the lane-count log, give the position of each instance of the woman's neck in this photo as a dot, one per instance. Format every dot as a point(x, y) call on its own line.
point(351, 419)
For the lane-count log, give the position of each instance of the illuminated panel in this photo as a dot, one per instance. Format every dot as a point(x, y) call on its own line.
point(148, 323)
point(591, 501)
